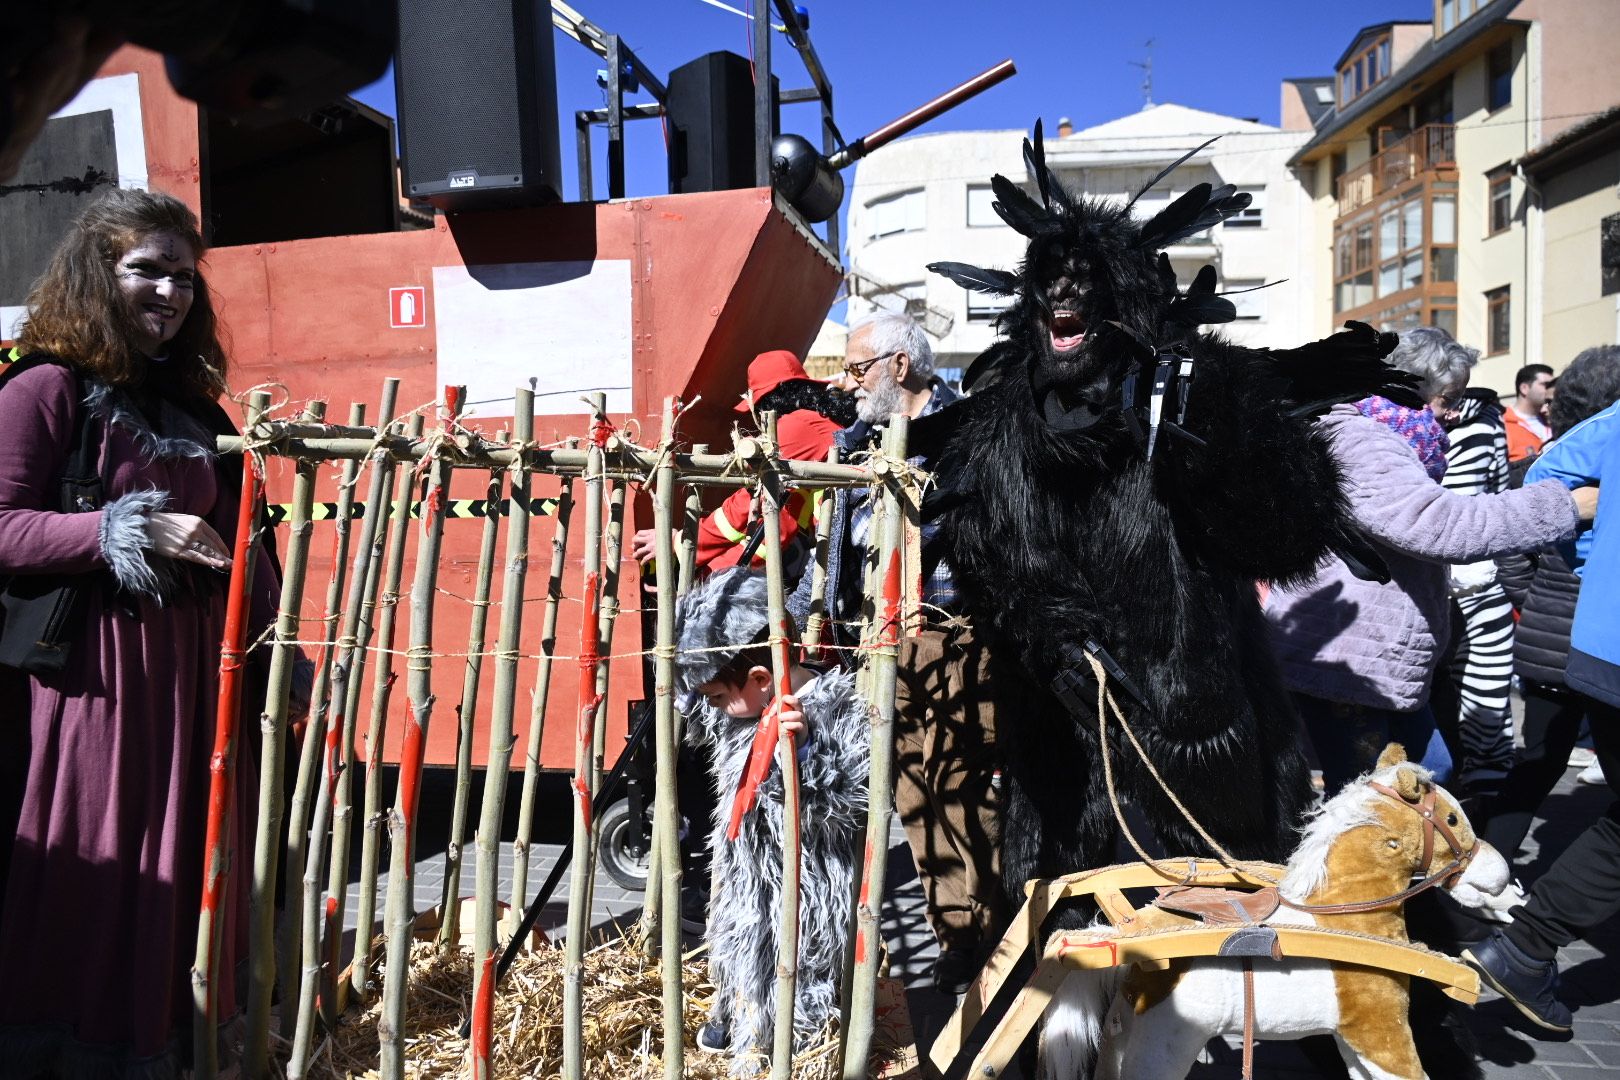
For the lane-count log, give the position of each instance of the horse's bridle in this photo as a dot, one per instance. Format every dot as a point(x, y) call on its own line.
point(1447, 877)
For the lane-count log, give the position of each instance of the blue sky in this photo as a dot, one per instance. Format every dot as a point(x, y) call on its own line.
point(887, 56)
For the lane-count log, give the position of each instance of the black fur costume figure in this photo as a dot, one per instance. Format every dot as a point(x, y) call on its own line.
point(1119, 481)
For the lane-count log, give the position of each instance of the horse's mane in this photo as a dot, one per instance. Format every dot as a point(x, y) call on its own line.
point(1353, 807)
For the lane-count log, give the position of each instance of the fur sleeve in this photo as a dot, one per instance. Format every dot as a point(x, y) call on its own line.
point(125, 543)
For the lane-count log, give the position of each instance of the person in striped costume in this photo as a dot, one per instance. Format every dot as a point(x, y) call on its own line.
point(1475, 697)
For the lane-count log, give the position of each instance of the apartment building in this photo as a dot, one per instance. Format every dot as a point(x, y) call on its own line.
point(1421, 205)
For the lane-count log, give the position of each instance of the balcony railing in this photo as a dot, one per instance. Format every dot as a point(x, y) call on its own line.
point(1428, 149)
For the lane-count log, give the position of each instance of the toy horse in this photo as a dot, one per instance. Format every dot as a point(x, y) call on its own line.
point(1350, 874)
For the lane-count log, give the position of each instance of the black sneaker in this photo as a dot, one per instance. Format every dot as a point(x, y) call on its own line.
point(954, 970)
point(1531, 985)
point(713, 1036)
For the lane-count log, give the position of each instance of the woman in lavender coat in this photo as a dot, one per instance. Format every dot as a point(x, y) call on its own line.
point(99, 918)
point(1359, 655)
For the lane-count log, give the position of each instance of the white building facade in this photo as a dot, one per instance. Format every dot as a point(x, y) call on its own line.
point(927, 198)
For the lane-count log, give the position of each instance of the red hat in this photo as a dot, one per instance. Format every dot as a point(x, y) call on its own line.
point(768, 371)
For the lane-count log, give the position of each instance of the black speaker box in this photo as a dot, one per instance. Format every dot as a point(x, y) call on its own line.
point(710, 106)
point(477, 88)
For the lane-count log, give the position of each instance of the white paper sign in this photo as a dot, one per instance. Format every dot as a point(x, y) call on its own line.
point(562, 328)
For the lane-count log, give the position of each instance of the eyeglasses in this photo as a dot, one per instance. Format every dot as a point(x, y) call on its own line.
point(857, 369)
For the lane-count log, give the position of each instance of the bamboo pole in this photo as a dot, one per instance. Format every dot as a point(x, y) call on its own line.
point(856, 1046)
point(582, 866)
point(613, 541)
point(504, 707)
point(419, 712)
point(363, 587)
point(310, 911)
point(467, 712)
point(272, 763)
point(382, 685)
point(780, 640)
point(686, 559)
point(288, 944)
point(666, 805)
point(816, 622)
point(540, 697)
point(631, 463)
point(222, 764)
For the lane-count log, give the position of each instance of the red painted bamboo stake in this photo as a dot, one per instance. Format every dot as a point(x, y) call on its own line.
point(221, 765)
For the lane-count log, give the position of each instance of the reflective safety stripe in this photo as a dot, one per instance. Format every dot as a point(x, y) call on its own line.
point(723, 526)
point(811, 507)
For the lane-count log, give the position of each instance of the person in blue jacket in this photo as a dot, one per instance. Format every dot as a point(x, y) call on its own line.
point(1582, 889)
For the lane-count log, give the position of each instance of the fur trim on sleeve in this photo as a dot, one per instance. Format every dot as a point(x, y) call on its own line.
point(124, 540)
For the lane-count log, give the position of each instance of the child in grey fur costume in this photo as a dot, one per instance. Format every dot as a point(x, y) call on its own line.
point(724, 694)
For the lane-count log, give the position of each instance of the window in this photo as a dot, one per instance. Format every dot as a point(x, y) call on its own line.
point(901, 212)
point(1445, 318)
point(1499, 202)
point(1255, 216)
point(979, 211)
point(1497, 320)
point(1365, 70)
point(1251, 306)
point(982, 307)
point(1398, 252)
point(1448, 16)
point(1499, 77)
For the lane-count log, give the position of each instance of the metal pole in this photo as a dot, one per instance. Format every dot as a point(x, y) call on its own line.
point(273, 730)
point(582, 147)
point(382, 685)
point(764, 130)
point(500, 748)
point(856, 1046)
point(615, 124)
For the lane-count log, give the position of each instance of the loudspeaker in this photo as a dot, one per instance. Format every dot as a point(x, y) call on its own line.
point(710, 106)
point(476, 82)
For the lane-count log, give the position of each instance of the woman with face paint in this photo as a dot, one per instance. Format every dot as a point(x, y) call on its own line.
point(99, 908)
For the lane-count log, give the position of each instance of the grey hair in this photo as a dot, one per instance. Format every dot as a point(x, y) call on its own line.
point(894, 332)
point(1435, 357)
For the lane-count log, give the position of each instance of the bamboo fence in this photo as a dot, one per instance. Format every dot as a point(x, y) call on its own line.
point(357, 627)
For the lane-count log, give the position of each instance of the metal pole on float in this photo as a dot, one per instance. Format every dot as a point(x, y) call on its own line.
point(419, 712)
point(579, 881)
point(272, 761)
point(541, 695)
point(500, 747)
point(787, 758)
point(222, 764)
point(666, 813)
point(856, 1045)
point(454, 854)
point(382, 685)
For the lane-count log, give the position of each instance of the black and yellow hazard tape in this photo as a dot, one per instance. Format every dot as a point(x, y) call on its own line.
point(276, 513)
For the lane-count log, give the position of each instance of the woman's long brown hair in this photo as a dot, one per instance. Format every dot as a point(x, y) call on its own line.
point(77, 313)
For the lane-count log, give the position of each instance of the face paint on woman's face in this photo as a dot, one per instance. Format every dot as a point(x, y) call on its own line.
point(158, 277)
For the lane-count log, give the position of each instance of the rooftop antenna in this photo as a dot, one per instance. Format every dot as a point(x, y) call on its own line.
point(1147, 74)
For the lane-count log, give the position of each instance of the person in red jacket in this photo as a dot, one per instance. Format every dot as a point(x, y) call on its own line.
point(809, 414)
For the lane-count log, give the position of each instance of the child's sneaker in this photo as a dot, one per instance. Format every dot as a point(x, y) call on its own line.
point(1592, 774)
point(713, 1036)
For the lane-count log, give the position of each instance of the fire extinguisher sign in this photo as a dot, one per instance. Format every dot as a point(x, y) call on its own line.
point(407, 307)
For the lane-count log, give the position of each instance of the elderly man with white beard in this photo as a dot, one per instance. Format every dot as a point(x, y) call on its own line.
point(945, 782)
